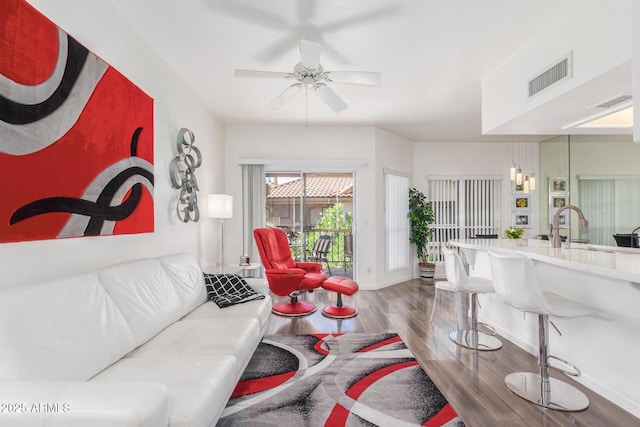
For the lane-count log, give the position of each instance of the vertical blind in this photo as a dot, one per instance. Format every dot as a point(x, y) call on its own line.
point(396, 207)
point(253, 206)
point(464, 207)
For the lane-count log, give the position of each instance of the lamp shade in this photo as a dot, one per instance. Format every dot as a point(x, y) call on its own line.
point(220, 206)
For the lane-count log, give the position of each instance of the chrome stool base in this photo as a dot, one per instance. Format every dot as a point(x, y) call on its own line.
point(475, 340)
point(558, 395)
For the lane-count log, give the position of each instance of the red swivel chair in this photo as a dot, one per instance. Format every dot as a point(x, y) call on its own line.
point(285, 276)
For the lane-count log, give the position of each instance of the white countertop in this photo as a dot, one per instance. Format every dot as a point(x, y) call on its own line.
point(613, 262)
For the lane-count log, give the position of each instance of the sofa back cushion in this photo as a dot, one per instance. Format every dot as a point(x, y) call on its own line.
point(187, 278)
point(63, 330)
point(145, 294)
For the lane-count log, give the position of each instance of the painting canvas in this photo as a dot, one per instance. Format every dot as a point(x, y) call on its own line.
point(558, 185)
point(556, 202)
point(522, 220)
point(522, 203)
point(76, 137)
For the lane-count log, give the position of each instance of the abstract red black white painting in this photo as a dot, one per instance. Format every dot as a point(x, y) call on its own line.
point(76, 137)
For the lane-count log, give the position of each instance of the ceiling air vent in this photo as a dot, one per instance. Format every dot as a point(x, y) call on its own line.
point(553, 74)
point(613, 101)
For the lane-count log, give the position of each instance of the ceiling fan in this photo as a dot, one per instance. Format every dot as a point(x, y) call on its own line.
point(311, 75)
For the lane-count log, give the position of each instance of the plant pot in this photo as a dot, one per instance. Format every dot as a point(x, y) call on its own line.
point(427, 271)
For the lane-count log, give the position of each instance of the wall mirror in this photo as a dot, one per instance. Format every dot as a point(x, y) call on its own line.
point(598, 173)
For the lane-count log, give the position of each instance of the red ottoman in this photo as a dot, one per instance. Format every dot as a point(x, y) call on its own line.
point(342, 286)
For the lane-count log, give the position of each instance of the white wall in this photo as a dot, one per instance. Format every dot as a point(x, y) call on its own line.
point(635, 48)
point(363, 150)
point(395, 153)
point(474, 158)
point(99, 26)
point(598, 32)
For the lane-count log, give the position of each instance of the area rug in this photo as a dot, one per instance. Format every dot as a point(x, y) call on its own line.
point(336, 380)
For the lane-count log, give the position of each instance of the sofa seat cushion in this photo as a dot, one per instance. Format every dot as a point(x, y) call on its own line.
point(258, 309)
point(63, 330)
point(190, 337)
point(81, 404)
point(199, 386)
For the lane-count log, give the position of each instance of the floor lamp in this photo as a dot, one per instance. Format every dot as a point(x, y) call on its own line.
point(221, 207)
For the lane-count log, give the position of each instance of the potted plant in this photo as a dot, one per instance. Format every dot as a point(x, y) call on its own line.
point(421, 218)
point(513, 232)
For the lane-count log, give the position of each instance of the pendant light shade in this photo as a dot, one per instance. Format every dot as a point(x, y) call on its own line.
point(532, 181)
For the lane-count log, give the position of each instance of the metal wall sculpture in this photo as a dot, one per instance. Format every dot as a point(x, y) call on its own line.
point(76, 137)
point(183, 176)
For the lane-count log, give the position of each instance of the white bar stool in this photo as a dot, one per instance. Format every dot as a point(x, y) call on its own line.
point(458, 281)
point(516, 282)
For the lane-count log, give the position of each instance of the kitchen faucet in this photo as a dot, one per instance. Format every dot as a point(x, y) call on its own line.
point(554, 229)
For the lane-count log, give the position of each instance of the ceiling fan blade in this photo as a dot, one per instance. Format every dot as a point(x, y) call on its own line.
point(264, 74)
point(310, 54)
point(285, 96)
point(371, 78)
point(330, 97)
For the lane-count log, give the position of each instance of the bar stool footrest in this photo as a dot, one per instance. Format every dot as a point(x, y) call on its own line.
point(575, 370)
point(492, 330)
point(475, 340)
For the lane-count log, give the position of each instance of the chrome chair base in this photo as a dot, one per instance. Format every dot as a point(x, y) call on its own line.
point(558, 395)
point(475, 340)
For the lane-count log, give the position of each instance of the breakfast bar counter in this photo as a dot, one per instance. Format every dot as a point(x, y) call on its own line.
point(607, 278)
point(607, 261)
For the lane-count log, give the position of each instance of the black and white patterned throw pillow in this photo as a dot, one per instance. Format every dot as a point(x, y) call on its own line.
point(229, 289)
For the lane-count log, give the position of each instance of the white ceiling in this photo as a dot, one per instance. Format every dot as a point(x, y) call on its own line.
point(432, 55)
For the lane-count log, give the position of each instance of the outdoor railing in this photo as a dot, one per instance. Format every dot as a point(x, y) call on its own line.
point(340, 254)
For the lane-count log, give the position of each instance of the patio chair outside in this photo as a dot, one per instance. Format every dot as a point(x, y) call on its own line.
point(320, 251)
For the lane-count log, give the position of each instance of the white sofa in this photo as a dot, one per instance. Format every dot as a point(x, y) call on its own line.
point(134, 344)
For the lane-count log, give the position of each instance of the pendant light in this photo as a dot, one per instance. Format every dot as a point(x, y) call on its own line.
point(532, 177)
point(525, 182)
point(519, 170)
point(513, 165)
point(532, 181)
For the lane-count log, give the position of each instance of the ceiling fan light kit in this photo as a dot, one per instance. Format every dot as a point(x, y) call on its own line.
point(311, 75)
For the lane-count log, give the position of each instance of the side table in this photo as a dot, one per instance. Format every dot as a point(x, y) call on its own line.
point(244, 270)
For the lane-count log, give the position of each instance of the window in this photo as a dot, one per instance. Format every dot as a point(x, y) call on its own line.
point(464, 207)
point(396, 207)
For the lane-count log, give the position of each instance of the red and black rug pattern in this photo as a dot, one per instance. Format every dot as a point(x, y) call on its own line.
point(336, 380)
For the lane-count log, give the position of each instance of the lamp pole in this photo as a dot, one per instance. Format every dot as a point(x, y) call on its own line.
point(221, 207)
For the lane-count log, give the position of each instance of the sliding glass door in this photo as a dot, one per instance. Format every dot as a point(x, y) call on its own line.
point(315, 210)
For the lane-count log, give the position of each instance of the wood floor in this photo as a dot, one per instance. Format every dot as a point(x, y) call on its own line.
point(472, 381)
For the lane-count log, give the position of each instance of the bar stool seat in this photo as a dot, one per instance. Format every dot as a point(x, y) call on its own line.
point(516, 283)
point(459, 281)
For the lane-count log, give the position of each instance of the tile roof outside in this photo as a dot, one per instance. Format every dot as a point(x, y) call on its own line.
point(317, 187)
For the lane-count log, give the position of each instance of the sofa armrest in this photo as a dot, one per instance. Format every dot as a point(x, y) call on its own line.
point(79, 404)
